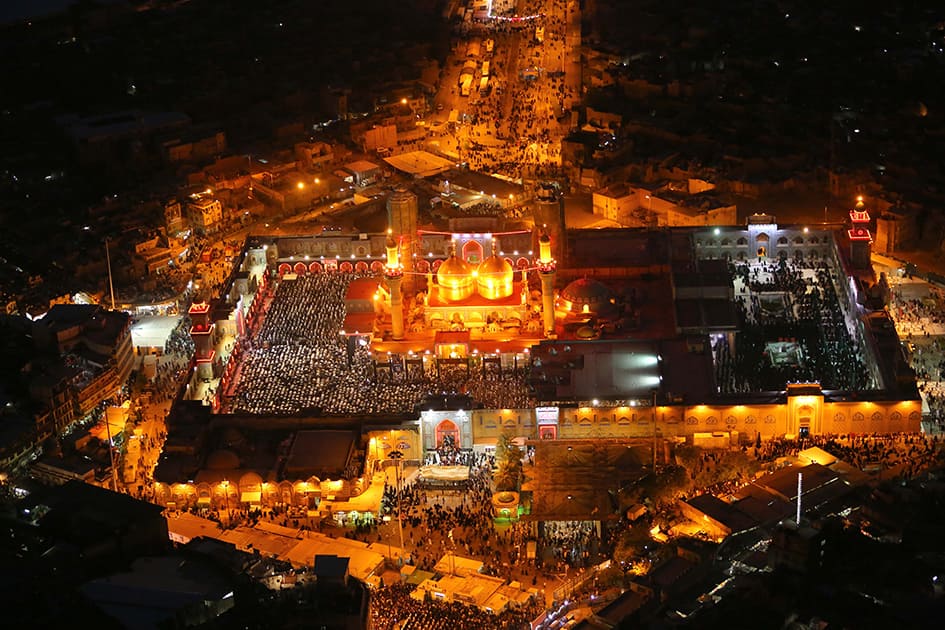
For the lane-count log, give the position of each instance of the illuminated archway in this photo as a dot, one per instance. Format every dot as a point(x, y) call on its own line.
point(447, 429)
point(472, 252)
point(300, 268)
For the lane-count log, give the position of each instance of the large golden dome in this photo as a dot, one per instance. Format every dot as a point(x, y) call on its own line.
point(496, 278)
point(455, 279)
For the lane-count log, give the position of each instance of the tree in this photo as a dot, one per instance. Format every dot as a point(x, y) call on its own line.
point(505, 479)
point(688, 456)
point(508, 459)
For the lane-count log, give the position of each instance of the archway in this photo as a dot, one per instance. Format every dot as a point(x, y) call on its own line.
point(804, 417)
point(360, 266)
point(472, 252)
point(300, 268)
point(377, 266)
point(284, 268)
point(346, 267)
point(315, 267)
point(447, 434)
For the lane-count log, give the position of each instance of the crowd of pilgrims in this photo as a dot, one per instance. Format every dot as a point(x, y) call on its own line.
point(907, 453)
point(922, 322)
point(570, 542)
point(427, 523)
point(179, 344)
point(811, 316)
point(524, 118)
point(392, 608)
point(297, 360)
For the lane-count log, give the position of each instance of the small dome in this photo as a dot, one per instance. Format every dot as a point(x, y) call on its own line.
point(496, 278)
point(232, 436)
point(222, 459)
point(455, 279)
point(586, 292)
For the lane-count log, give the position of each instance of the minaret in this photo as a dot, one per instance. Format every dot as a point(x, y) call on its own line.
point(859, 235)
point(402, 220)
point(546, 271)
point(201, 333)
point(394, 274)
point(549, 213)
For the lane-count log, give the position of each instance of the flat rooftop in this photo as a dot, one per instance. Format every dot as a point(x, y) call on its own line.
point(320, 453)
point(420, 163)
point(591, 369)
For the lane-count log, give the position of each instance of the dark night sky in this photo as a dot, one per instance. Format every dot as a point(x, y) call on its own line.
point(15, 10)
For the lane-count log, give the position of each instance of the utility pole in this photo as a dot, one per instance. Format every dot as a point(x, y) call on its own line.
point(108, 262)
point(654, 429)
point(111, 449)
point(400, 522)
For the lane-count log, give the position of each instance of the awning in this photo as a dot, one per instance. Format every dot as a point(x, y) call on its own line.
point(250, 497)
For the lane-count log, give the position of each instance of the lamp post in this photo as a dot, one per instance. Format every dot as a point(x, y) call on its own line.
point(226, 498)
point(398, 456)
point(452, 551)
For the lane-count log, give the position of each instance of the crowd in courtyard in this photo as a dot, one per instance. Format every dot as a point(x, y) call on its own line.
point(794, 303)
point(921, 325)
point(298, 359)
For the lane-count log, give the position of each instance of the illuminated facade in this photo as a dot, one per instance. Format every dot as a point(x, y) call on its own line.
point(666, 376)
point(801, 411)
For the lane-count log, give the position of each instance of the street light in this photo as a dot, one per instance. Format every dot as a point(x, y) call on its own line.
point(226, 498)
point(399, 458)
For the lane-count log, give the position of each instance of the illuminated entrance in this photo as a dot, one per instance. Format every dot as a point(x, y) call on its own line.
point(447, 434)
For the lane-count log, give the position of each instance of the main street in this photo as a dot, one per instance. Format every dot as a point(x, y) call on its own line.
point(515, 125)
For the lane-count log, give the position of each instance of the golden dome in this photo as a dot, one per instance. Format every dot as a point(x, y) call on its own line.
point(496, 278)
point(455, 279)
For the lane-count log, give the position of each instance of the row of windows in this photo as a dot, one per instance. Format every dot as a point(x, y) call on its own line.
point(761, 238)
point(839, 417)
point(730, 421)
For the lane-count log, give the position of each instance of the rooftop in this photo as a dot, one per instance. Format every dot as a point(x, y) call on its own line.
point(320, 453)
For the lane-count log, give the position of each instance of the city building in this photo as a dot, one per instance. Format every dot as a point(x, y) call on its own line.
point(204, 212)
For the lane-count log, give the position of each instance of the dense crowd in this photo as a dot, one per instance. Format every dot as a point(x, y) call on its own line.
point(569, 541)
point(906, 454)
point(921, 323)
point(796, 303)
point(297, 360)
point(392, 608)
point(518, 136)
